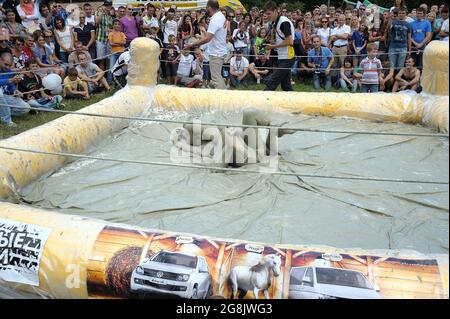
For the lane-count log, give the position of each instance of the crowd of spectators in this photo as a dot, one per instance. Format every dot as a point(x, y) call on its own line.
point(356, 49)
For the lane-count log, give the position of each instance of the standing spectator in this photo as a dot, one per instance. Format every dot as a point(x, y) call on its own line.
point(398, 4)
point(231, 24)
point(443, 34)
point(88, 14)
point(359, 44)
point(172, 57)
point(16, 30)
point(408, 78)
point(186, 30)
point(91, 74)
point(45, 18)
point(307, 34)
point(150, 19)
point(378, 34)
point(421, 36)
point(241, 38)
point(371, 68)
point(72, 19)
point(435, 26)
point(339, 40)
point(283, 34)
point(8, 102)
point(65, 39)
point(117, 41)
point(226, 62)
point(130, 25)
point(324, 32)
point(28, 12)
point(259, 41)
point(320, 60)
point(348, 78)
point(32, 83)
point(85, 33)
point(121, 12)
point(238, 69)
point(103, 25)
point(12, 5)
point(399, 39)
point(216, 37)
point(169, 25)
point(74, 87)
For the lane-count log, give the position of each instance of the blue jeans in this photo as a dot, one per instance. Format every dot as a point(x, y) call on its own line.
point(345, 85)
point(112, 60)
point(6, 112)
point(397, 57)
point(365, 88)
point(49, 104)
point(318, 77)
point(64, 56)
point(236, 83)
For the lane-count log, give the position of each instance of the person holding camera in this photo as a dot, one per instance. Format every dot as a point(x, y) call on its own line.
point(283, 36)
point(320, 59)
point(241, 38)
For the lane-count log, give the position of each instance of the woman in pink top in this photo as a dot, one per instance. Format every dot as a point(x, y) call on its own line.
point(130, 25)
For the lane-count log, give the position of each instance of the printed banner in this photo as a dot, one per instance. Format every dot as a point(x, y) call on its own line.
point(128, 263)
point(21, 247)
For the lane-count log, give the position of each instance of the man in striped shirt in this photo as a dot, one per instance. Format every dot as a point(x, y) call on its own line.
point(104, 22)
point(371, 68)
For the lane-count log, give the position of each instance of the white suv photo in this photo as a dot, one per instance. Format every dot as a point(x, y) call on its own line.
point(174, 273)
point(325, 282)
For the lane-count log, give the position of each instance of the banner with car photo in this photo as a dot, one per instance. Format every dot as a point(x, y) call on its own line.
point(132, 263)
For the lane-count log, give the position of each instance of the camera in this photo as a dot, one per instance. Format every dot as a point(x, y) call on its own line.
point(317, 70)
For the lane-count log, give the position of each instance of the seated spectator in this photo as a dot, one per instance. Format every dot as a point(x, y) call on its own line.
point(19, 56)
point(4, 44)
point(408, 78)
point(73, 57)
point(32, 83)
point(184, 71)
point(43, 57)
point(239, 69)
point(387, 75)
point(28, 12)
point(74, 87)
point(261, 68)
point(348, 78)
point(443, 34)
point(172, 57)
point(371, 70)
point(320, 59)
point(120, 69)
point(91, 74)
point(8, 102)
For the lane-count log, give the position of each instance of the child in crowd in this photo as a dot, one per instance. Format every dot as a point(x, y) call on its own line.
point(32, 90)
point(184, 67)
point(173, 55)
point(74, 87)
point(117, 40)
point(349, 78)
point(371, 70)
point(359, 44)
point(408, 78)
point(387, 75)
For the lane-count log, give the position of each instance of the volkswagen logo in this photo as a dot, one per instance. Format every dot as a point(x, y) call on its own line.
point(159, 274)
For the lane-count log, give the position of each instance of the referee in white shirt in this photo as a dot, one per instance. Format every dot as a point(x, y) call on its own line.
point(216, 36)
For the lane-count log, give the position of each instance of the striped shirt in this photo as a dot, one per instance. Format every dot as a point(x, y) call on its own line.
point(103, 27)
point(370, 68)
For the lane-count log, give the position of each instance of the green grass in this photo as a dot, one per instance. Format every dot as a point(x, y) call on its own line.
point(29, 121)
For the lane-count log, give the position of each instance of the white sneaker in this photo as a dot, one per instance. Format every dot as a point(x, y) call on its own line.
point(258, 81)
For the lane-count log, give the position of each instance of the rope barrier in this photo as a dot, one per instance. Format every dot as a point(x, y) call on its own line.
point(297, 129)
point(166, 164)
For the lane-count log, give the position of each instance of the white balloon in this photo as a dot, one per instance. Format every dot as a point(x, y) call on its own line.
point(52, 82)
